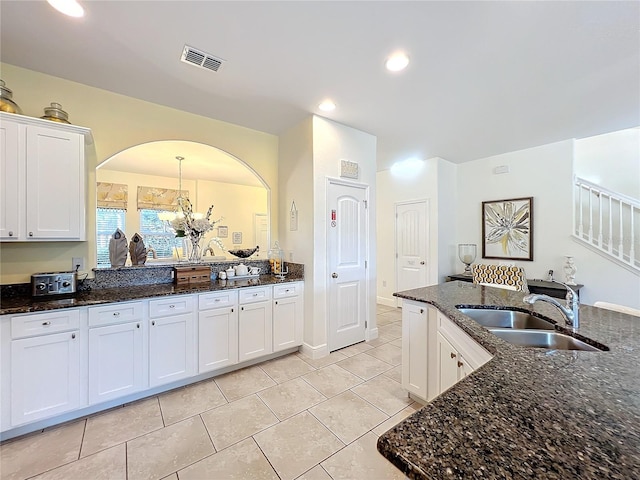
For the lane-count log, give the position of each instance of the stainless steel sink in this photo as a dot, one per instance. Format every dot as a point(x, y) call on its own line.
point(506, 319)
point(543, 339)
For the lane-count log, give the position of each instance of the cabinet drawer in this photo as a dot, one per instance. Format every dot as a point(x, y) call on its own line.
point(115, 313)
point(287, 290)
point(170, 306)
point(44, 323)
point(227, 298)
point(250, 295)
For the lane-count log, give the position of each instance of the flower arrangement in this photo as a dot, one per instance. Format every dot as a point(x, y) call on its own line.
point(193, 226)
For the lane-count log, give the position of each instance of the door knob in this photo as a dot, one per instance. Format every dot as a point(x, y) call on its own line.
point(334, 275)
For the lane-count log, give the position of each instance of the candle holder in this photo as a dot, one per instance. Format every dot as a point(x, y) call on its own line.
point(467, 254)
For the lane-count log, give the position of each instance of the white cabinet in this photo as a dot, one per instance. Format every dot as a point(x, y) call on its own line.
point(45, 367)
point(117, 357)
point(43, 180)
point(172, 343)
point(436, 353)
point(217, 330)
point(288, 316)
point(255, 328)
point(414, 348)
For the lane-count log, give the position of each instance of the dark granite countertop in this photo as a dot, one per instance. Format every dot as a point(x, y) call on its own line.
point(97, 296)
point(528, 413)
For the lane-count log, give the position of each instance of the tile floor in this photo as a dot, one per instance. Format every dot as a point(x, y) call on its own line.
point(292, 417)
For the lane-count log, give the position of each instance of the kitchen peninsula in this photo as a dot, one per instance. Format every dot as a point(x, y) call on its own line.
point(528, 413)
point(127, 338)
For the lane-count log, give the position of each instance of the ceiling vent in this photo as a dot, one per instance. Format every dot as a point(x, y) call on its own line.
point(200, 59)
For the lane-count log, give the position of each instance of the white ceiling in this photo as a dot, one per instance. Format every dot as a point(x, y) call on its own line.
point(485, 77)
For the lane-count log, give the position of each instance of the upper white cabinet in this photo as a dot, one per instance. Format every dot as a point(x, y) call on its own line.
point(43, 180)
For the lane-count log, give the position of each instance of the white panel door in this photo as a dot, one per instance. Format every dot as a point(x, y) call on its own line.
point(217, 338)
point(116, 361)
point(171, 349)
point(55, 184)
point(347, 254)
point(45, 376)
point(10, 179)
point(411, 245)
point(261, 238)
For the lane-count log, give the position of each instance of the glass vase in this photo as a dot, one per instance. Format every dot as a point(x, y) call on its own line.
point(194, 253)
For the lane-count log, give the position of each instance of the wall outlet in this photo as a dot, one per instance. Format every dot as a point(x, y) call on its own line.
point(77, 262)
point(384, 283)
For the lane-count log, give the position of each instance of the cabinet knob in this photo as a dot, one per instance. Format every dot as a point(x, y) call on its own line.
point(31, 234)
point(453, 355)
point(73, 335)
point(11, 233)
point(422, 262)
point(153, 323)
point(116, 314)
point(422, 310)
point(460, 364)
point(276, 303)
point(172, 306)
point(137, 325)
point(334, 275)
point(232, 310)
point(44, 324)
point(242, 308)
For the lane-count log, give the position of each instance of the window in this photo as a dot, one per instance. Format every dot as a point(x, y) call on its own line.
point(108, 220)
point(157, 234)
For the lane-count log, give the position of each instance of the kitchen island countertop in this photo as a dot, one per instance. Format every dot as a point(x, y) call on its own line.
point(528, 413)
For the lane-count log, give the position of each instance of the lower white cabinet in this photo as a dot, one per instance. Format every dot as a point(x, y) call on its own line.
point(172, 345)
point(255, 327)
point(217, 330)
point(436, 353)
point(45, 376)
point(117, 360)
point(288, 316)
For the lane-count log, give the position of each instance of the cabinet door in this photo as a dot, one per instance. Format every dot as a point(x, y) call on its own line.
point(448, 363)
point(10, 179)
point(45, 376)
point(414, 348)
point(217, 338)
point(55, 185)
point(116, 361)
point(287, 323)
point(254, 331)
point(171, 349)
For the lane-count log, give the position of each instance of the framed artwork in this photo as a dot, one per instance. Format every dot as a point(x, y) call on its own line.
point(236, 238)
point(507, 229)
point(223, 231)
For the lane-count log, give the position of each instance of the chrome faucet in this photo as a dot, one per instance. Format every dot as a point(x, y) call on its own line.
point(152, 251)
point(571, 311)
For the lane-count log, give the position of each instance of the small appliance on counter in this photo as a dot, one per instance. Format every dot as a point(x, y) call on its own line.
point(53, 283)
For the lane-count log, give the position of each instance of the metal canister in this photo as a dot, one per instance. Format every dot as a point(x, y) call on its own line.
point(6, 100)
point(55, 113)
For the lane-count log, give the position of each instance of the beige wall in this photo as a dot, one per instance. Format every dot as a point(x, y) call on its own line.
point(119, 122)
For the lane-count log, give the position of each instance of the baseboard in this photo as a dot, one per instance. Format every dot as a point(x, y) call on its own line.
point(371, 334)
point(389, 302)
point(315, 352)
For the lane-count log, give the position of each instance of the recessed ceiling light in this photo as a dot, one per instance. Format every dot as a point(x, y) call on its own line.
point(397, 62)
point(69, 7)
point(327, 106)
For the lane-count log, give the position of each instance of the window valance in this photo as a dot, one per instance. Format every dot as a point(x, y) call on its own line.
point(112, 195)
point(155, 198)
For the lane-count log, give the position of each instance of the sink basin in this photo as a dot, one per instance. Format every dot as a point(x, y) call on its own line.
point(506, 319)
point(543, 339)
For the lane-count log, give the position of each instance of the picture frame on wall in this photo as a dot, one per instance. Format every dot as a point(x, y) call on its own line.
point(507, 229)
point(223, 231)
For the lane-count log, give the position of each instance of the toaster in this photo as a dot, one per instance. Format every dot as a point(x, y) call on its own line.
point(54, 283)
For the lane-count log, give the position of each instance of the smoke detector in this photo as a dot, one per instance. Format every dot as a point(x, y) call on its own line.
point(200, 59)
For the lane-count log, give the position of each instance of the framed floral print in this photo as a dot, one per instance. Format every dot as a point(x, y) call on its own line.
point(507, 229)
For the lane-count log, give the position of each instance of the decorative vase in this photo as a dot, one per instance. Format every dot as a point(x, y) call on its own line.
point(570, 271)
point(137, 250)
point(194, 250)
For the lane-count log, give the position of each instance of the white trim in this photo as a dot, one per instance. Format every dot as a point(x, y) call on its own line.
point(389, 302)
point(370, 334)
point(314, 352)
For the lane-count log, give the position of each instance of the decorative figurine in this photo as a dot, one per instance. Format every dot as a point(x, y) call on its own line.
point(570, 271)
point(137, 250)
point(118, 249)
